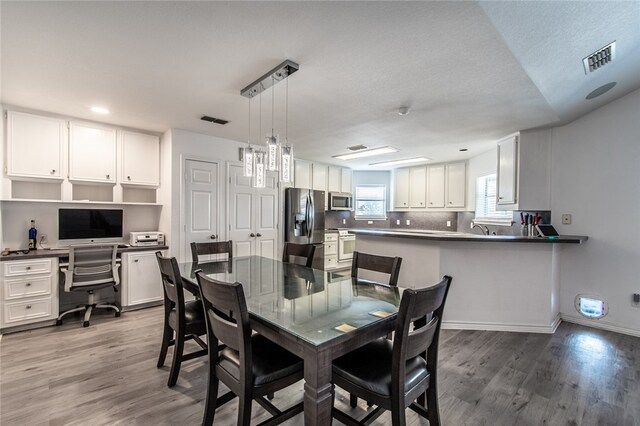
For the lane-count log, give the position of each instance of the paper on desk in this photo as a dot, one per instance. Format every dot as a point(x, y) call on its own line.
point(345, 328)
point(380, 314)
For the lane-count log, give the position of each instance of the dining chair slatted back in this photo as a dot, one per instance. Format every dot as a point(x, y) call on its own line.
point(244, 354)
point(211, 248)
point(182, 318)
point(376, 263)
point(305, 251)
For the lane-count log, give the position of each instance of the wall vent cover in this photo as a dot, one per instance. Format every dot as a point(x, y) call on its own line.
point(357, 148)
point(599, 58)
point(214, 120)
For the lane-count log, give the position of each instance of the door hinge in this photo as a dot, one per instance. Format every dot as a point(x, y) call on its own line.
point(229, 180)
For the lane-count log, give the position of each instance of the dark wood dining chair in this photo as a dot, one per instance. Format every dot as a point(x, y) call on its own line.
point(403, 373)
point(373, 262)
point(305, 251)
point(183, 319)
point(209, 248)
point(250, 365)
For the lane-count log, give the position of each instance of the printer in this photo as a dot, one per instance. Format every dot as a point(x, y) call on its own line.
point(138, 239)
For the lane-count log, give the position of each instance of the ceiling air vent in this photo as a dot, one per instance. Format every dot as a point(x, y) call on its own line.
point(357, 148)
point(599, 58)
point(213, 120)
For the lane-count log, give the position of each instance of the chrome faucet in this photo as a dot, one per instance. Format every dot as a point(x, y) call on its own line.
point(483, 228)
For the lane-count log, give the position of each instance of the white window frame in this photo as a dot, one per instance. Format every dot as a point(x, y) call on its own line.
point(384, 202)
point(486, 197)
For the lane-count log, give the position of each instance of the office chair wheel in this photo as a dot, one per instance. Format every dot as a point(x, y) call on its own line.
point(85, 324)
point(117, 314)
point(58, 322)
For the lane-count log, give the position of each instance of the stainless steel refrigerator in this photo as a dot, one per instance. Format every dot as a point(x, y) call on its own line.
point(304, 220)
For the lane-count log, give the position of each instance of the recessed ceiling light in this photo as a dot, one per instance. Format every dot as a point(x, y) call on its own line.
point(601, 90)
point(403, 110)
point(405, 161)
point(367, 153)
point(99, 110)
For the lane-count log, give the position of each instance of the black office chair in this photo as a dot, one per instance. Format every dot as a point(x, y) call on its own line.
point(392, 375)
point(91, 267)
point(304, 251)
point(186, 319)
point(251, 366)
point(372, 262)
point(211, 248)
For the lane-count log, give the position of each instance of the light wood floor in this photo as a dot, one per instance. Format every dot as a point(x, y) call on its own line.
point(106, 374)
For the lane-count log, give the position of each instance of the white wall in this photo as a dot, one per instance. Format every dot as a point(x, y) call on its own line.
point(480, 165)
point(595, 176)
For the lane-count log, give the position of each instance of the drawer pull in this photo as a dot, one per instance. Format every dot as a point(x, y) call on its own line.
point(136, 260)
point(53, 171)
point(28, 284)
point(28, 268)
point(28, 306)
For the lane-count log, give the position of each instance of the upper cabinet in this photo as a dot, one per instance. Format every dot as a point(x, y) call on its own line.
point(335, 177)
point(346, 184)
point(302, 174)
point(319, 177)
point(140, 159)
point(439, 186)
point(92, 153)
point(35, 146)
point(523, 171)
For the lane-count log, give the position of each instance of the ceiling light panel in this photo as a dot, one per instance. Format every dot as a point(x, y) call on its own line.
point(367, 153)
point(99, 110)
point(404, 161)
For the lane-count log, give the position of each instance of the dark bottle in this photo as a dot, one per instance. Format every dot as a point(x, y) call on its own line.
point(33, 233)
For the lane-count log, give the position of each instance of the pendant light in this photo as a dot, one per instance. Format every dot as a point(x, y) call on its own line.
point(275, 157)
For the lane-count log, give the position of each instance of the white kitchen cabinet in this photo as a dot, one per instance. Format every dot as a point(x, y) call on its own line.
point(507, 170)
point(140, 279)
point(401, 188)
point(417, 186)
point(302, 174)
point(92, 153)
point(523, 172)
point(335, 178)
point(436, 186)
point(140, 159)
point(346, 180)
point(30, 291)
point(319, 180)
point(35, 146)
point(330, 250)
point(456, 184)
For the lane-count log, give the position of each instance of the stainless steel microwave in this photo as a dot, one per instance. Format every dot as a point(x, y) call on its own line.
point(340, 201)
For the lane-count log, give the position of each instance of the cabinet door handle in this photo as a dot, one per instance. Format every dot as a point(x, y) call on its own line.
point(53, 171)
point(28, 284)
point(258, 235)
point(108, 177)
point(213, 236)
point(28, 306)
point(252, 235)
point(136, 260)
point(450, 202)
point(128, 177)
point(28, 268)
point(500, 198)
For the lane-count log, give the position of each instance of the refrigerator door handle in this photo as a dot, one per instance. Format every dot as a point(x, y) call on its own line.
point(307, 219)
point(312, 217)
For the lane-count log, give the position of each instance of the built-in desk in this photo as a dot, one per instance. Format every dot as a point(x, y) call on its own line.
point(31, 296)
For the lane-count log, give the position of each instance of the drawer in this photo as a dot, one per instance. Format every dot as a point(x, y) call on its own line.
point(330, 262)
point(23, 311)
point(330, 248)
point(331, 237)
point(27, 267)
point(27, 287)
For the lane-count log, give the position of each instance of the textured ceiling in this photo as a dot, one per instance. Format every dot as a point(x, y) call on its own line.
point(471, 72)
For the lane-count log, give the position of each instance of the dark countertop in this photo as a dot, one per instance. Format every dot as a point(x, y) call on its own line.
point(459, 236)
point(60, 252)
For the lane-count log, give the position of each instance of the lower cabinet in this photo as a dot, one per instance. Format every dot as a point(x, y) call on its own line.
point(140, 279)
point(29, 291)
point(330, 250)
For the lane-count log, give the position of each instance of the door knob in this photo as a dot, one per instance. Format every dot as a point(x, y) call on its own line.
point(213, 236)
point(252, 235)
point(258, 235)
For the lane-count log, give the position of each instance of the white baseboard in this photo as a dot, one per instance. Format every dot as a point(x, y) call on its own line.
point(600, 324)
point(491, 326)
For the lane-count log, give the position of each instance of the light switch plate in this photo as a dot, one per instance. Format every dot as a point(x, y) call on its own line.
point(566, 219)
point(408, 222)
point(370, 222)
point(344, 221)
point(398, 222)
point(448, 224)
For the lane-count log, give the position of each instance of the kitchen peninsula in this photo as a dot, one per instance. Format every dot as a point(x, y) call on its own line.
point(501, 283)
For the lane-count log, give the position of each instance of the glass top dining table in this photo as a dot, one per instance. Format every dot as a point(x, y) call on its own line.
point(316, 314)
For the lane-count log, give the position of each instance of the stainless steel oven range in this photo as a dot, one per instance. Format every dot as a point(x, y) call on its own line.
point(346, 245)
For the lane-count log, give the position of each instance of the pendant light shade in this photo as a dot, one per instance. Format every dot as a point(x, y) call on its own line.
point(259, 180)
point(286, 165)
point(272, 153)
point(247, 161)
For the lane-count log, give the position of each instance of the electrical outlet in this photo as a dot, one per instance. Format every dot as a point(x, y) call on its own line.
point(398, 222)
point(566, 219)
point(471, 225)
point(344, 221)
point(43, 239)
point(448, 224)
point(370, 222)
point(636, 299)
point(408, 222)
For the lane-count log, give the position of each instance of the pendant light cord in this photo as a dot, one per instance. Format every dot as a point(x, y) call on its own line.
point(273, 101)
point(286, 116)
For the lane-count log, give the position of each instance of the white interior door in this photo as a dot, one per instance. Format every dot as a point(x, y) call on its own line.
point(241, 206)
point(266, 219)
point(201, 204)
